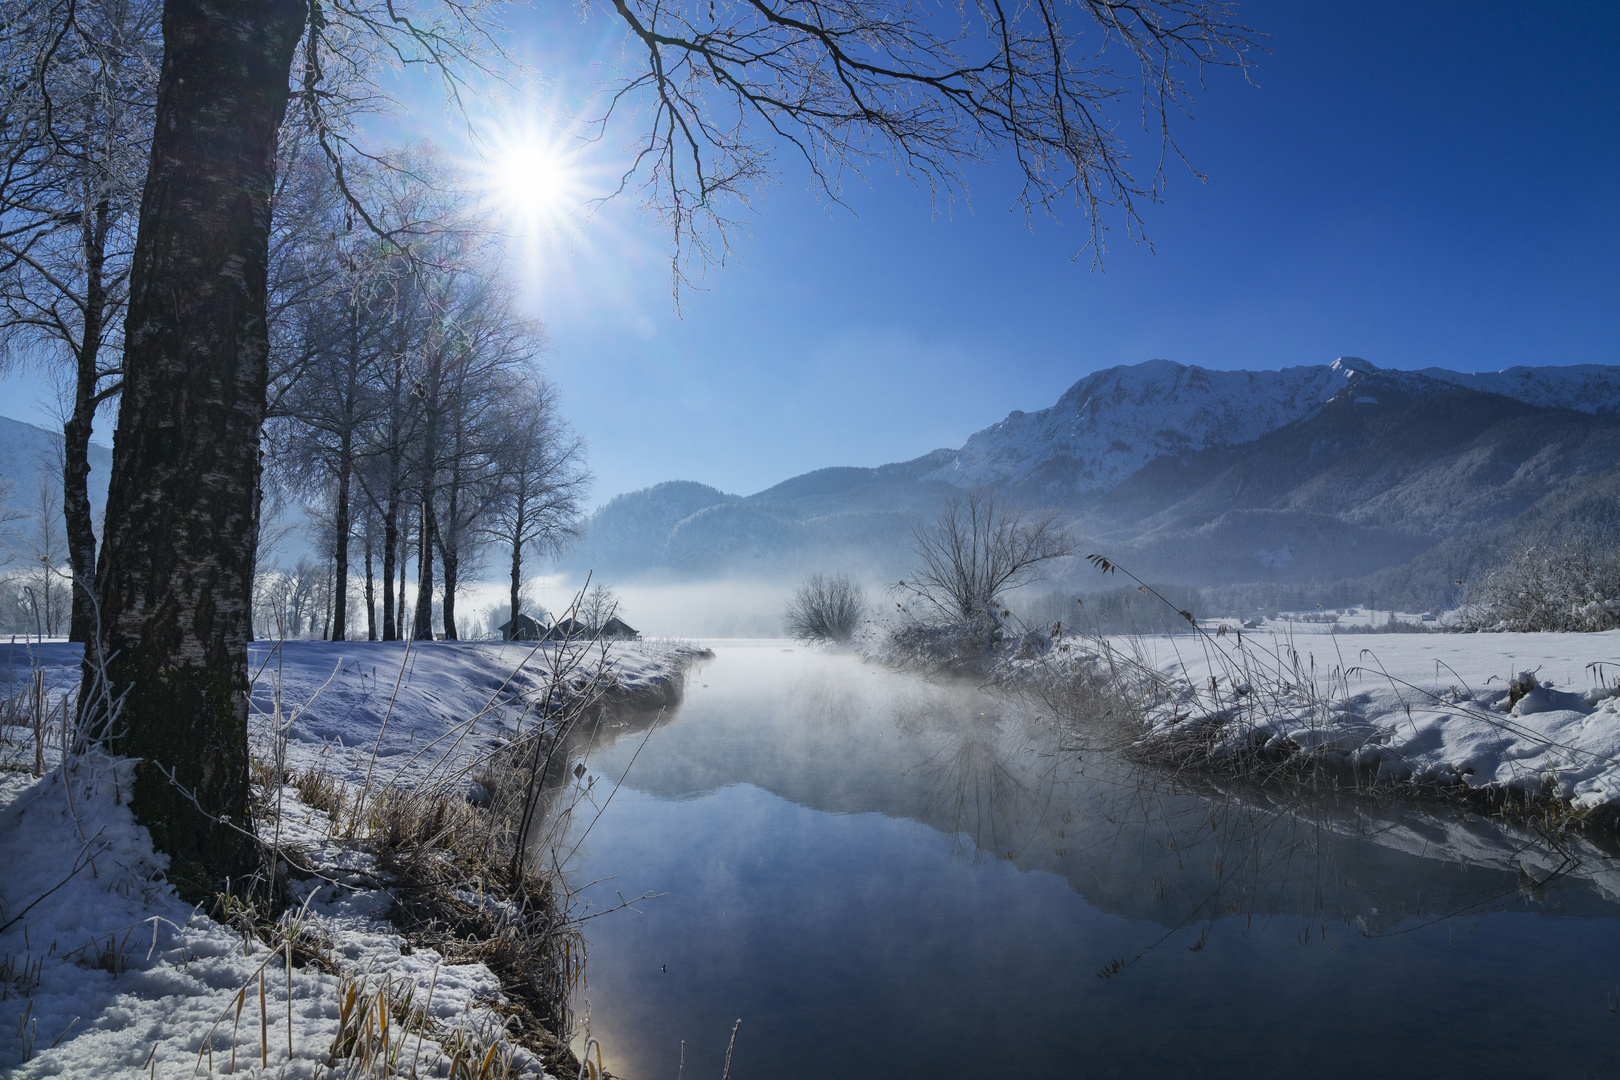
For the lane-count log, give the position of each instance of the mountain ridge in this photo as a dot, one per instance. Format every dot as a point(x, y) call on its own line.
point(1139, 454)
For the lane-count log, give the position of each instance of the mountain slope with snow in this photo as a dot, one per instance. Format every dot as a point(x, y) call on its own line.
point(1324, 471)
point(1588, 388)
point(1111, 423)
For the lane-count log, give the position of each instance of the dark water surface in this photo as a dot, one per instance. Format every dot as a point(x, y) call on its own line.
point(888, 878)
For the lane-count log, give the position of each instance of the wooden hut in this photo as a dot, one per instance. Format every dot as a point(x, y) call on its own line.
point(616, 627)
point(563, 629)
point(522, 628)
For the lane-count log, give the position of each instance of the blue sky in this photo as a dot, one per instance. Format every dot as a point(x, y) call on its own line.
point(1416, 184)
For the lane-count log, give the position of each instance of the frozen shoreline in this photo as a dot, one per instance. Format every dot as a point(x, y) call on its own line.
point(1535, 715)
point(108, 973)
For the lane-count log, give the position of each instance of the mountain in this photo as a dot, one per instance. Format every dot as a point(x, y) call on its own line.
point(29, 455)
point(1110, 424)
point(1324, 472)
point(1588, 388)
point(858, 519)
point(1384, 471)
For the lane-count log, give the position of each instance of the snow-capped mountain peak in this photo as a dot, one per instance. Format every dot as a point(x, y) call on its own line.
point(1112, 422)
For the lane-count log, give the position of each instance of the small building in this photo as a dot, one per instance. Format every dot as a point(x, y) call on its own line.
point(522, 628)
point(564, 629)
point(616, 627)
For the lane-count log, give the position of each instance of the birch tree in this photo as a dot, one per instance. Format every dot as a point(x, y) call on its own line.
point(543, 481)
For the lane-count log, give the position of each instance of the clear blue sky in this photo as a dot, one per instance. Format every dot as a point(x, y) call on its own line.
point(1416, 184)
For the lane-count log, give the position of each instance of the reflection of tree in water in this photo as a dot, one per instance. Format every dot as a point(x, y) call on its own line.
point(1190, 851)
point(827, 698)
point(988, 787)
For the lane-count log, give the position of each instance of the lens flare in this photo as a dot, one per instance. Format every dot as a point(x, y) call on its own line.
point(535, 181)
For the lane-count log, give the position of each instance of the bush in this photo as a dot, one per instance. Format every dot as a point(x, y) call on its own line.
point(826, 609)
point(979, 549)
point(1572, 586)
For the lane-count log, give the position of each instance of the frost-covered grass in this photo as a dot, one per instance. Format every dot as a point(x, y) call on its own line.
point(401, 938)
point(1531, 719)
point(108, 974)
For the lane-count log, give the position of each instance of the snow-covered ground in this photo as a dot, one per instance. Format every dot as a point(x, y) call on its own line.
point(104, 972)
point(398, 711)
point(1535, 713)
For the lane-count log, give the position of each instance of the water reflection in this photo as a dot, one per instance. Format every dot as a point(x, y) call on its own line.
point(1191, 898)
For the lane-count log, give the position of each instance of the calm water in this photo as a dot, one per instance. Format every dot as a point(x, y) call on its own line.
point(883, 877)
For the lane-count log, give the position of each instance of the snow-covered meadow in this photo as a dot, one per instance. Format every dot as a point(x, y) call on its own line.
point(104, 972)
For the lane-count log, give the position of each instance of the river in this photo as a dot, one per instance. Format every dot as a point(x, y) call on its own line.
point(886, 877)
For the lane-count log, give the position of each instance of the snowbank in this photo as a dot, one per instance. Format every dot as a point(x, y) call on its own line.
point(1534, 714)
point(107, 974)
point(104, 972)
point(425, 708)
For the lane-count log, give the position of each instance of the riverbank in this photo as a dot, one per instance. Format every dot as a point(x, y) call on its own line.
point(1525, 719)
point(394, 945)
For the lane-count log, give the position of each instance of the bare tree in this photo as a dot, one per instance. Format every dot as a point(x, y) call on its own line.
point(47, 585)
point(327, 397)
point(542, 483)
point(597, 607)
point(496, 347)
point(75, 141)
point(978, 549)
point(826, 608)
point(910, 87)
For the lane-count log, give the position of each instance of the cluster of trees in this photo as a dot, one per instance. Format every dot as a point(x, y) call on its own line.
point(80, 86)
point(405, 409)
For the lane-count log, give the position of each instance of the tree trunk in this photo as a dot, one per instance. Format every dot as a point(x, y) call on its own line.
point(422, 630)
point(371, 592)
point(390, 546)
point(451, 561)
point(340, 596)
point(176, 567)
point(517, 562)
point(81, 528)
point(404, 557)
point(331, 599)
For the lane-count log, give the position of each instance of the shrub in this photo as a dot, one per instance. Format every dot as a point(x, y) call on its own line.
point(979, 549)
point(826, 609)
point(1571, 586)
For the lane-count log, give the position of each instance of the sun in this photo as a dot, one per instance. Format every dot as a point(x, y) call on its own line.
point(535, 181)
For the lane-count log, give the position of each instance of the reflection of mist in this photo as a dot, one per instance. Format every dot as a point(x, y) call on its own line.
point(977, 791)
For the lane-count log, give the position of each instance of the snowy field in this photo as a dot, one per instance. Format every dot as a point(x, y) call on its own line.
point(1534, 713)
point(105, 973)
point(399, 711)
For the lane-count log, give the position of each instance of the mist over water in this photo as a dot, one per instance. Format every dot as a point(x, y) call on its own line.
point(727, 608)
point(883, 876)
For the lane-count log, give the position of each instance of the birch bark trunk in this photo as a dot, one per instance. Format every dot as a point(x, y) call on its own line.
point(176, 568)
